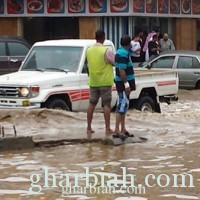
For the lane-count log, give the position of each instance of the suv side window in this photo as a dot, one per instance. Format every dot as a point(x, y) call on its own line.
point(17, 49)
point(163, 62)
point(2, 49)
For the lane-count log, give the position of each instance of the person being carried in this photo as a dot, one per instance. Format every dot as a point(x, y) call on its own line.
point(100, 61)
point(125, 83)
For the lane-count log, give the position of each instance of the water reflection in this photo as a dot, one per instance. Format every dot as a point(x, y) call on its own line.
point(139, 160)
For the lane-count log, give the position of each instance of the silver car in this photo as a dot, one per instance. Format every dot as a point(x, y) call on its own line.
point(186, 63)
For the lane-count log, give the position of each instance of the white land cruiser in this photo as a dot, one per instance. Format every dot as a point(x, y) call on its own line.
point(54, 75)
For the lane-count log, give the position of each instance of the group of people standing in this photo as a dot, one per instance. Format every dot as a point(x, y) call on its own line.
point(101, 59)
point(146, 48)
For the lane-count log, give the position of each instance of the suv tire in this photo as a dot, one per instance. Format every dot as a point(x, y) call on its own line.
point(146, 103)
point(57, 103)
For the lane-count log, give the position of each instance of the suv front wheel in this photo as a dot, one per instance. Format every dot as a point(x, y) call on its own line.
point(57, 103)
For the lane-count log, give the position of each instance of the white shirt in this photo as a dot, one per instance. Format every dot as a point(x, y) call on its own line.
point(134, 47)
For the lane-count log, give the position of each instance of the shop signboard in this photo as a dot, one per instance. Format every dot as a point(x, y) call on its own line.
point(163, 6)
point(15, 7)
point(98, 6)
point(76, 6)
point(35, 7)
point(138, 6)
point(186, 7)
point(55, 7)
point(119, 6)
point(174, 7)
point(151, 6)
point(69, 8)
point(196, 7)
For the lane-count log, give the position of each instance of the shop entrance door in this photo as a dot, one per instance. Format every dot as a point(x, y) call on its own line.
point(115, 27)
point(45, 28)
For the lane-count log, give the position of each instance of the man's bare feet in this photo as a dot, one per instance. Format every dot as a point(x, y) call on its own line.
point(109, 132)
point(90, 131)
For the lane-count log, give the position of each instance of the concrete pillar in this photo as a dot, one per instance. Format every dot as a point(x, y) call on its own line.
point(185, 33)
point(88, 27)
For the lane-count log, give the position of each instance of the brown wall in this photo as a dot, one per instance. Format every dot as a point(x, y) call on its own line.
point(88, 27)
point(185, 34)
point(185, 30)
point(9, 26)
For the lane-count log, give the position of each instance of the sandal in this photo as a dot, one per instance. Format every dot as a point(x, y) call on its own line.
point(128, 134)
point(121, 136)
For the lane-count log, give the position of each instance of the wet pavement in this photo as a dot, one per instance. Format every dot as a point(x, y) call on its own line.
point(173, 148)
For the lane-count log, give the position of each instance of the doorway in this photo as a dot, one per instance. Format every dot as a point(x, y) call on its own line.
point(115, 27)
point(46, 28)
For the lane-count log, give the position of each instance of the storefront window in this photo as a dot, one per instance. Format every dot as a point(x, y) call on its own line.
point(45, 28)
point(115, 27)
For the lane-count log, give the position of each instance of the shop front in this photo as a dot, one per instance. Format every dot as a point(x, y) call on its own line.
point(37, 20)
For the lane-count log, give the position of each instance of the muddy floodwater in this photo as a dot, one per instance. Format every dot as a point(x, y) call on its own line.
point(165, 167)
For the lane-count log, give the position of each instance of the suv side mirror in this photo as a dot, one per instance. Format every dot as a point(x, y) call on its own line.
point(149, 66)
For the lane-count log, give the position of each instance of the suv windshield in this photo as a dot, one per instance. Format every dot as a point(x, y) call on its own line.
point(46, 58)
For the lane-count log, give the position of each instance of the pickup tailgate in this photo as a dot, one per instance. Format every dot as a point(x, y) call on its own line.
point(165, 82)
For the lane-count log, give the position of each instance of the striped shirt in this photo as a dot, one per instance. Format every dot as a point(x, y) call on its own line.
point(122, 61)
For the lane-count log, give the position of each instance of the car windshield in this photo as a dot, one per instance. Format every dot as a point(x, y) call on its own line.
point(48, 58)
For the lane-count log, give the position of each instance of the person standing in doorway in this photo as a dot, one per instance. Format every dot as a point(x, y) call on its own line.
point(135, 49)
point(154, 48)
point(100, 61)
point(142, 40)
point(125, 83)
point(166, 44)
point(145, 48)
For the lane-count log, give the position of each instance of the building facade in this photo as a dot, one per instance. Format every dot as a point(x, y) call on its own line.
point(37, 20)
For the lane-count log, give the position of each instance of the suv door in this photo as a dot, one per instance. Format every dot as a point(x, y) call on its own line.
point(4, 64)
point(17, 52)
point(189, 71)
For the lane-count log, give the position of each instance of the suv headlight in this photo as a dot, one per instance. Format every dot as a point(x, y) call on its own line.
point(24, 91)
point(32, 91)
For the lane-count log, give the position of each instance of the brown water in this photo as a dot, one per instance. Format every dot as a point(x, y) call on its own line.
point(173, 148)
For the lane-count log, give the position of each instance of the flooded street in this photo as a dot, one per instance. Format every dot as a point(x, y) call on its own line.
point(166, 167)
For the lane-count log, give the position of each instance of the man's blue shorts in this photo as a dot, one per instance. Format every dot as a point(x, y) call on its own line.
point(122, 103)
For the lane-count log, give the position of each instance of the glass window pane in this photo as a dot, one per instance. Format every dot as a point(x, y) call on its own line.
point(2, 49)
point(195, 63)
point(17, 49)
point(184, 62)
point(164, 62)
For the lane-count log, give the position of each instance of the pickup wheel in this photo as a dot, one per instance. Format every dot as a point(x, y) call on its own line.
point(146, 103)
point(57, 103)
